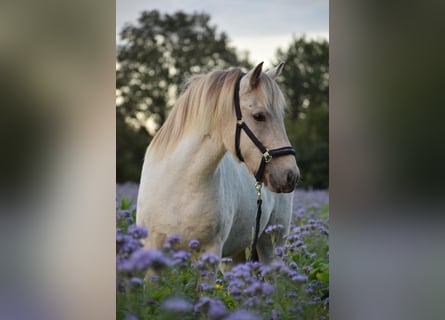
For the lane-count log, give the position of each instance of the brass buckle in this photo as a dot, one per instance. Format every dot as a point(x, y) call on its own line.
point(240, 122)
point(267, 157)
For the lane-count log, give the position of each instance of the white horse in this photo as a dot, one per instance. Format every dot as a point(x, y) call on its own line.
point(193, 185)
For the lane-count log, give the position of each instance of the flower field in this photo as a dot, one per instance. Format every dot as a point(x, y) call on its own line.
point(185, 286)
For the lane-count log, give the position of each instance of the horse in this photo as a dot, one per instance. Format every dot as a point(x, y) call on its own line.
point(194, 184)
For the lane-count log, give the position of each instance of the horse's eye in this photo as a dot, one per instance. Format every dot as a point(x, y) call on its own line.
point(259, 116)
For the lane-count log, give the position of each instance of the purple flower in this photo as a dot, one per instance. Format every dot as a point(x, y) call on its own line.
point(137, 231)
point(309, 290)
point(208, 259)
point(124, 213)
point(130, 220)
point(130, 316)
point(136, 280)
point(293, 309)
point(276, 266)
point(308, 269)
point(119, 235)
point(267, 288)
point(275, 314)
point(205, 286)
point(311, 255)
point(242, 315)
point(216, 310)
point(279, 251)
point(295, 244)
point(299, 278)
point(181, 256)
point(292, 237)
point(235, 292)
point(240, 271)
point(194, 244)
point(127, 244)
point(213, 308)
point(298, 243)
point(259, 289)
point(154, 278)
point(174, 239)
point(204, 273)
point(255, 266)
point(253, 289)
point(176, 305)
point(235, 285)
point(274, 228)
point(300, 211)
point(226, 260)
point(252, 302)
point(143, 259)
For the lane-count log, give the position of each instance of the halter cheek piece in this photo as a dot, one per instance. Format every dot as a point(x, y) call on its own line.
point(267, 156)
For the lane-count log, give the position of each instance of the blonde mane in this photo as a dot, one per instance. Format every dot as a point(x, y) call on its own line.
point(207, 104)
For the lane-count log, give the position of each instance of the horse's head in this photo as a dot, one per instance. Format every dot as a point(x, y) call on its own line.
point(262, 107)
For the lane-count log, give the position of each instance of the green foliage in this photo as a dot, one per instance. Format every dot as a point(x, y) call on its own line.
point(310, 137)
point(305, 83)
point(305, 75)
point(131, 144)
point(125, 204)
point(154, 58)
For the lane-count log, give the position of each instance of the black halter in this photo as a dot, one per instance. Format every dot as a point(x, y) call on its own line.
point(267, 156)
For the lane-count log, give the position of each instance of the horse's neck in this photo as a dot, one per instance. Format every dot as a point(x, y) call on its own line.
point(195, 160)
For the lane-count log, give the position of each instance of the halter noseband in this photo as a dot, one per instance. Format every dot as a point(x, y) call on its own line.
point(267, 156)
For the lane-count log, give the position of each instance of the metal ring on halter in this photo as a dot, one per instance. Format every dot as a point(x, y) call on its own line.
point(267, 157)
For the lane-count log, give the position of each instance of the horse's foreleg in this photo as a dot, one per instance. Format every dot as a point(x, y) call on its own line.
point(238, 258)
point(153, 241)
point(209, 276)
point(280, 216)
point(265, 248)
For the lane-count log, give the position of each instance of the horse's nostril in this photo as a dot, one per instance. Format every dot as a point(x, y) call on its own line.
point(292, 178)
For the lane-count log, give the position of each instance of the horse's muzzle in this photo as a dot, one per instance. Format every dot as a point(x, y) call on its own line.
point(286, 182)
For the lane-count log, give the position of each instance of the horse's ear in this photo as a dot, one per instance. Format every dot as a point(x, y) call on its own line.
point(275, 72)
point(254, 75)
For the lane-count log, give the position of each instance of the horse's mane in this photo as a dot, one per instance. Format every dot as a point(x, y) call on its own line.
point(207, 103)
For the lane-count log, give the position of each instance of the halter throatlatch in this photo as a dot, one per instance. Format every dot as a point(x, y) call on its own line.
point(267, 156)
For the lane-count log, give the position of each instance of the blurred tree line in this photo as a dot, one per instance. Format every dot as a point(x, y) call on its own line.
point(156, 55)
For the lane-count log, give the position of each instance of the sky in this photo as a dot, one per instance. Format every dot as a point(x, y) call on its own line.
point(259, 27)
